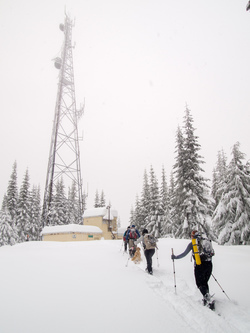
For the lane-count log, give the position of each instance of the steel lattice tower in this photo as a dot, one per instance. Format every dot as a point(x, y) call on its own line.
point(64, 156)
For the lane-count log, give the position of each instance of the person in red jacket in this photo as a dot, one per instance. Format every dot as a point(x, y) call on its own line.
point(131, 237)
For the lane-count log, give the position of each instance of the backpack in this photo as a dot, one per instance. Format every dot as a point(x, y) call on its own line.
point(133, 234)
point(150, 242)
point(206, 249)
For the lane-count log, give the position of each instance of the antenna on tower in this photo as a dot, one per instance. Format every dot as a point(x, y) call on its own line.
point(64, 155)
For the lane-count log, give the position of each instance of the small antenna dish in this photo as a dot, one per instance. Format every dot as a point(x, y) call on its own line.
point(61, 27)
point(58, 63)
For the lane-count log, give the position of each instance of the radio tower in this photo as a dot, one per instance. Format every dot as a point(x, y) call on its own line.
point(64, 156)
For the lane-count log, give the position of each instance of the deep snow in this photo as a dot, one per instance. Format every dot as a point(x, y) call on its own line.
point(86, 287)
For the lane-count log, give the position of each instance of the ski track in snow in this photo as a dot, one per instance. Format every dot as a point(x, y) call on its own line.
point(189, 306)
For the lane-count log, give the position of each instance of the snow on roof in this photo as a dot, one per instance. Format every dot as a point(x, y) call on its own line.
point(100, 211)
point(63, 229)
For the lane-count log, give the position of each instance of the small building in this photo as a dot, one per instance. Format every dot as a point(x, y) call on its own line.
point(71, 233)
point(104, 218)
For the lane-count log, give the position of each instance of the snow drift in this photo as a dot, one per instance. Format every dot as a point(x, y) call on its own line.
point(87, 287)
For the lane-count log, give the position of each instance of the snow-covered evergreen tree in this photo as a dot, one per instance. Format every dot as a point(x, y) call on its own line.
point(219, 177)
point(23, 209)
point(97, 200)
point(84, 201)
point(58, 210)
point(191, 199)
point(177, 187)
point(135, 214)
point(196, 189)
point(171, 229)
point(154, 224)
point(73, 205)
point(232, 215)
point(132, 216)
point(4, 202)
point(8, 231)
point(102, 200)
point(12, 194)
point(35, 214)
point(144, 218)
point(164, 206)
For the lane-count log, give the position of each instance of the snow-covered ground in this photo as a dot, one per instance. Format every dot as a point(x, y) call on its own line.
point(52, 287)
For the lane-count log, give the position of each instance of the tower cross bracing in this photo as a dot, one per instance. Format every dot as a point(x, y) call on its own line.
point(64, 155)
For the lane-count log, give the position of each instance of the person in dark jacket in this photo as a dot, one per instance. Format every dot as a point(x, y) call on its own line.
point(203, 271)
point(148, 252)
point(125, 240)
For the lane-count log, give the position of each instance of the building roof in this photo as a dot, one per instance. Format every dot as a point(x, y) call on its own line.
point(100, 211)
point(70, 228)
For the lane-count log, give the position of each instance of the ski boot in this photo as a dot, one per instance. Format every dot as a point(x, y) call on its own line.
point(207, 301)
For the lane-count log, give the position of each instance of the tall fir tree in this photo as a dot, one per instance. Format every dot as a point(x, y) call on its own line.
point(138, 218)
point(73, 205)
point(191, 197)
point(5, 203)
point(84, 201)
point(35, 214)
point(102, 200)
point(132, 216)
point(154, 225)
point(12, 194)
point(8, 231)
point(58, 214)
point(196, 189)
point(231, 217)
point(97, 200)
point(23, 209)
point(145, 202)
point(219, 177)
point(164, 206)
point(178, 188)
point(171, 229)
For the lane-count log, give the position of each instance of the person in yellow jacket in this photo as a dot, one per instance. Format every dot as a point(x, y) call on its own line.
point(202, 263)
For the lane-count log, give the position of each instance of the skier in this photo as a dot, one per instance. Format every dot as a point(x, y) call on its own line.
point(131, 237)
point(125, 240)
point(149, 248)
point(202, 264)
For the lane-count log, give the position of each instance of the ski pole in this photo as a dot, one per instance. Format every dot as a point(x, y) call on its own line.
point(121, 247)
point(174, 271)
point(127, 262)
point(157, 257)
point(220, 287)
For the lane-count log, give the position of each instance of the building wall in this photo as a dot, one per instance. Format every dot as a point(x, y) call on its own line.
point(71, 237)
point(103, 225)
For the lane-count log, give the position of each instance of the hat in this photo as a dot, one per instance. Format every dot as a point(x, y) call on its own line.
point(195, 234)
point(132, 226)
point(145, 231)
point(128, 227)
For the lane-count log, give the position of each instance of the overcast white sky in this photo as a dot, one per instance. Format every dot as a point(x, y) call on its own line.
point(136, 63)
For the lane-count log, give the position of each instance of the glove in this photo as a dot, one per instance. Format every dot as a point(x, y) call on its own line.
point(173, 257)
